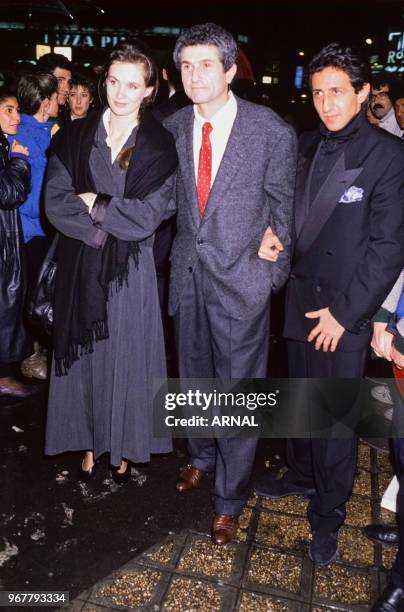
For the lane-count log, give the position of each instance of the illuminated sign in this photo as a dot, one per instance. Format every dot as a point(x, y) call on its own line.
point(395, 52)
point(68, 39)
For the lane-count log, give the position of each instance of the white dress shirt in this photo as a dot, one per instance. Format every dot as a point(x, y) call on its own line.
point(222, 123)
point(389, 123)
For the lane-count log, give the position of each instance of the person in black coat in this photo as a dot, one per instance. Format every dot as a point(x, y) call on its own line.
point(349, 224)
point(15, 184)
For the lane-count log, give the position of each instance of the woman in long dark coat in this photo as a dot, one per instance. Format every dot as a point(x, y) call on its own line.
point(15, 183)
point(110, 184)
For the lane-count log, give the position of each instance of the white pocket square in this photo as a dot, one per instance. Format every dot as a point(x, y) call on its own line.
point(353, 194)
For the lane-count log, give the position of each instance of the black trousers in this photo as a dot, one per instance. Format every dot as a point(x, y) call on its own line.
point(327, 464)
point(35, 252)
point(397, 444)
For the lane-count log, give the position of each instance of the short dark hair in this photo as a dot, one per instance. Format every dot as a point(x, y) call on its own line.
point(349, 60)
point(208, 34)
point(6, 93)
point(50, 61)
point(173, 74)
point(33, 89)
point(81, 80)
point(394, 85)
point(397, 91)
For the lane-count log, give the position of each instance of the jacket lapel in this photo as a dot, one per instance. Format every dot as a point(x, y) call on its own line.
point(185, 151)
point(324, 203)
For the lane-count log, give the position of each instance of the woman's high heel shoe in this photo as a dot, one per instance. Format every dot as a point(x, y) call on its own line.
point(86, 475)
point(121, 477)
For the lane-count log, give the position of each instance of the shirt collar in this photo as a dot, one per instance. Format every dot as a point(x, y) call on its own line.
point(222, 114)
point(388, 116)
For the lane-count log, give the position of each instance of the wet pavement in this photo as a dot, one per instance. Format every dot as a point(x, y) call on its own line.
point(266, 568)
point(144, 546)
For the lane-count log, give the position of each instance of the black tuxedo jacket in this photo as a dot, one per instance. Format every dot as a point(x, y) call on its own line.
point(349, 241)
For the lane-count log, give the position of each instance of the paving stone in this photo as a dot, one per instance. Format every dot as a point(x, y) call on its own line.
point(97, 608)
point(275, 570)
point(256, 602)
point(75, 606)
point(187, 594)
point(341, 584)
point(293, 504)
point(364, 457)
point(131, 589)
point(329, 609)
point(384, 481)
point(383, 463)
point(387, 517)
point(283, 531)
point(389, 556)
point(359, 511)
point(201, 556)
point(363, 483)
point(244, 524)
point(162, 554)
point(252, 501)
point(354, 547)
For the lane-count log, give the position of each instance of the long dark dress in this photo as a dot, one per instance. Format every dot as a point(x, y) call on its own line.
point(105, 401)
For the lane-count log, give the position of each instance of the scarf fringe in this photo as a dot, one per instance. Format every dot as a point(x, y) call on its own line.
point(77, 348)
point(99, 330)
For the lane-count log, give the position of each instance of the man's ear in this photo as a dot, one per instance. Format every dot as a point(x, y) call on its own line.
point(364, 92)
point(231, 73)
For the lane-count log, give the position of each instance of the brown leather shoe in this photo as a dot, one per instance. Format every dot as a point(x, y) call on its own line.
point(13, 388)
point(224, 528)
point(190, 478)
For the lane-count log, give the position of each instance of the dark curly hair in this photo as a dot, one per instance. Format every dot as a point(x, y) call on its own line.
point(348, 59)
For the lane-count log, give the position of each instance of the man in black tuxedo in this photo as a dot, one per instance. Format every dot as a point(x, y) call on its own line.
point(349, 223)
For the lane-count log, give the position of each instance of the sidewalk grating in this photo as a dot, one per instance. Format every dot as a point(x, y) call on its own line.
point(267, 568)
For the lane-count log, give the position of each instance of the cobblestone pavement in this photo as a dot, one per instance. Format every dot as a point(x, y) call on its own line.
point(266, 568)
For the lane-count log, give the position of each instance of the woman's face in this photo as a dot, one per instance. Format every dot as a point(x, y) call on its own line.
point(9, 116)
point(126, 88)
point(79, 101)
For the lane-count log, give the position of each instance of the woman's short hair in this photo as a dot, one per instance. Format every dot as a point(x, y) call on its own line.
point(81, 80)
point(349, 60)
point(208, 34)
point(33, 89)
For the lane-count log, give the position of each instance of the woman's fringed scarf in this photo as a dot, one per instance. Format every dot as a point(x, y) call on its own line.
point(86, 276)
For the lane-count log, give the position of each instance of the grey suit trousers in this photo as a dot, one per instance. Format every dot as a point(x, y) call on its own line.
point(212, 344)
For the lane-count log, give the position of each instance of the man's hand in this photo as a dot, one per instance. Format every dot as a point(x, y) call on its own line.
point(327, 332)
point(397, 358)
point(382, 340)
point(270, 246)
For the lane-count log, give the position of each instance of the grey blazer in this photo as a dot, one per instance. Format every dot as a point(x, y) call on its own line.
point(253, 188)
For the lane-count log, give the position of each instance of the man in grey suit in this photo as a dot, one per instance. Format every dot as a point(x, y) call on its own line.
point(235, 182)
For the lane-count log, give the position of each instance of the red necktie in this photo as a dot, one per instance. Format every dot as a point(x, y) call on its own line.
point(204, 168)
